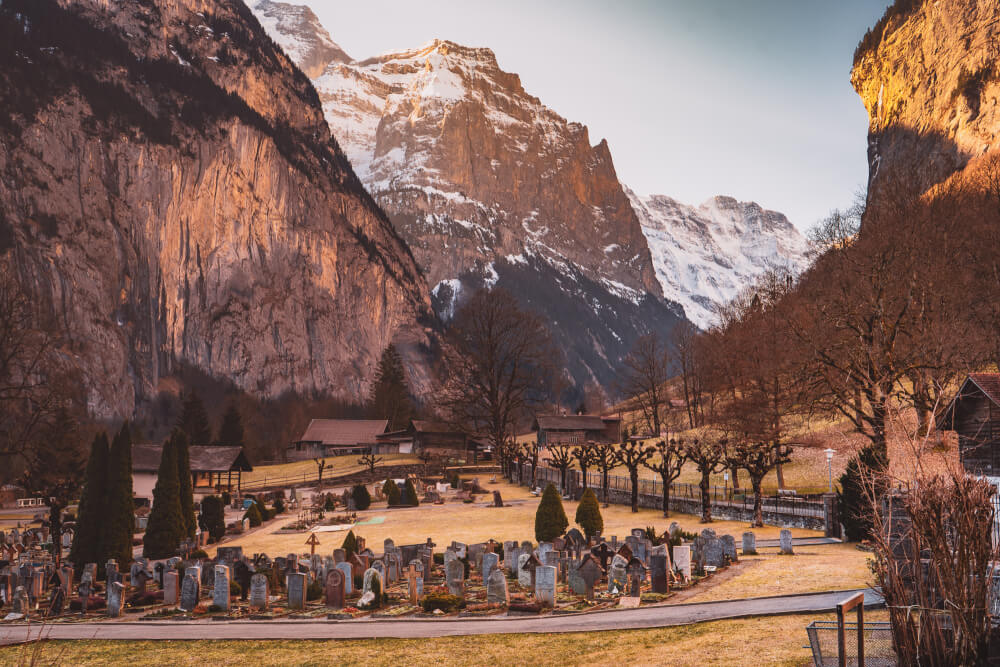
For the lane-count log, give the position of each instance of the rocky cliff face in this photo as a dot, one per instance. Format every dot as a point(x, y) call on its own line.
point(704, 255)
point(170, 189)
point(489, 187)
point(927, 74)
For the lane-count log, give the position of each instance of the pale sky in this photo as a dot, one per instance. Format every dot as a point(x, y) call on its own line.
point(748, 98)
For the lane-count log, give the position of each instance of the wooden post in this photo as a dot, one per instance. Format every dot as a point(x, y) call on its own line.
point(856, 601)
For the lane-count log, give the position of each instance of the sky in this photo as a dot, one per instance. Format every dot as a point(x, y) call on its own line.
point(747, 98)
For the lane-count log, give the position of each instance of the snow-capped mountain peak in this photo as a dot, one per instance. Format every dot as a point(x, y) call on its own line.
point(705, 254)
point(303, 37)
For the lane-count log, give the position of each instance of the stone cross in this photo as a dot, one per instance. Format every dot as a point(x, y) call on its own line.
point(415, 582)
point(313, 542)
point(258, 591)
point(603, 553)
point(526, 571)
point(295, 582)
point(220, 589)
point(590, 573)
point(335, 589)
point(636, 576)
point(545, 585)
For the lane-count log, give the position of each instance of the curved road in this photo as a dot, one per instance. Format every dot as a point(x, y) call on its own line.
point(625, 619)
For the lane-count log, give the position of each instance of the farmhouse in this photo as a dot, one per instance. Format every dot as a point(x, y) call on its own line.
point(333, 437)
point(443, 440)
point(576, 429)
point(214, 468)
point(974, 414)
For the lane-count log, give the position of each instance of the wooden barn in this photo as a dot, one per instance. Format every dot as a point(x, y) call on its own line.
point(576, 429)
point(974, 414)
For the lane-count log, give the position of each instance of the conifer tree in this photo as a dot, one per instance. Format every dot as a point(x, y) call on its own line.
point(350, 545)
point(391, 492)
point(231, 431)
point(194, 420)
point(588, 514)
point(212, 517)
point(390, 397)
point(93, 507)
point(165, 529)
point(862, 481)
point(184, 482)
point(119, 520)
point(254, 515)
point(410, 494)
point(550, 517)
point(362, 499)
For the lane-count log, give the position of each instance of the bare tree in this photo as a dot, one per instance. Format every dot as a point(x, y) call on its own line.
point(709, 456)
point(606, 458)
point(561, 456)
point(531, 452)
point(586, 457)
point(647, 370)
point(320, 466)
point(685, 342)
point(633, 455)
point(369, 460)
point(668, 467)
point(499, 363)
point(758, 459)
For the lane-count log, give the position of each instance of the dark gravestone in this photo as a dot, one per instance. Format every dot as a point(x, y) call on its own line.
point(190, 589)
point(57, 601)
point(258, 591)
point(229, 555)
point(455, 577)
point(602, 552)
point(590, 572)
point(658, 573)
point(497, 500)
point(242, 576)
point(636, 576)
point(335, 589)
point(714, 552)
point(617, 574)
point(729, 548)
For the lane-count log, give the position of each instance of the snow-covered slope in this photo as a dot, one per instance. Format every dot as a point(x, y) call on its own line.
point(705, 254)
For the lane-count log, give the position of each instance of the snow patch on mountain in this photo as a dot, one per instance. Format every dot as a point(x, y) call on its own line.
point(704, 255)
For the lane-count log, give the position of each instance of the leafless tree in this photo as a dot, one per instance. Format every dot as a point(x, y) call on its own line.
point(605, 456)
point(369, 460)
point(669, 465)
point(320, 466)
point(499, 363)
point(561, 457)
point(531, 452)
point(644, 383)
point(709, 456)
point(586, 458)
point(758, 459)
point(685, 338)
point(633, 455)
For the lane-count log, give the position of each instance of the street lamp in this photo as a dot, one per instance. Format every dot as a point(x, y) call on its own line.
point(829, 466)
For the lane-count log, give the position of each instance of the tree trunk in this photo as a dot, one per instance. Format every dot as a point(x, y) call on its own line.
point(706, 500)
point(583, 474)
point(736, 478)
point(633, 473)
point(778, 470)
point(604, 485)
point(758, 502)
point(666, 496)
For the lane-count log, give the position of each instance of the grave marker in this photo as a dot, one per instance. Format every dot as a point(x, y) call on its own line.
point(335, 589)
point(545, 585)
point(295, 582)
point(220, 587)
point(258, 591)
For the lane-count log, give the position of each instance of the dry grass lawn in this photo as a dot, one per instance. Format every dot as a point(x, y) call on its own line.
point(472, 523)
point(335, 466)
point(774, 640)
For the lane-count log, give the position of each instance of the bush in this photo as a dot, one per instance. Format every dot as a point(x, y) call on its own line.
point(330, 504)
point(350, 545)
point(362, 499)
point(443, 601)
point(410, 495)
point(279, 505)
point(314, 591)
point(391, 492)
point(550, 518)
point(198, 554)
point(235, 590)
point(254, 515)
point(588, 514)
point(439, 559)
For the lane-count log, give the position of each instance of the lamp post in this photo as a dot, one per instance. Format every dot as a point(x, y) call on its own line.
point(829, 466)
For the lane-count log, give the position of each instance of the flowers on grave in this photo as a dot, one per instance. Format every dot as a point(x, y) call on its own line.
point(445, 602)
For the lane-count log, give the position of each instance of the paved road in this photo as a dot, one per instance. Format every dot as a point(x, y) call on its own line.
point(645, 617)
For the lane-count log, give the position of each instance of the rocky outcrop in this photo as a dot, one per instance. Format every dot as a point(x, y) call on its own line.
point(170, 189)
point(704, 255)
point(928, 76)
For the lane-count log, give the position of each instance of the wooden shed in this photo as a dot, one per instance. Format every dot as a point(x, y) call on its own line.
point(576, 429)
point(974, 414)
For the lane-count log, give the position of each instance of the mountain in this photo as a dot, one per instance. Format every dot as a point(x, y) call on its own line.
point(172, 195)
point(704, 255)
point(927, 75)
point(489, 187)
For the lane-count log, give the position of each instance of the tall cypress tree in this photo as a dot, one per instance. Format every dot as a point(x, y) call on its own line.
point(165, 529)
point(184, 482)
point(194, 420)
point(119, 519)
point(390, 397)
point(93, 507)
point(231, 431)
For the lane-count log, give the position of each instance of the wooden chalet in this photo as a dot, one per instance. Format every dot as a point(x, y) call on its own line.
point(214, 468)
point(334, 437)
point(576, 429)
point(443, 440)
point(974, 414)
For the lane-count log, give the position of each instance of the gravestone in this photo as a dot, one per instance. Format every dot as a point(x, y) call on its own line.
point(496, 588)
point(258, 591)
point(636, 576)
point(602, 552)
point(170, 587)
point(295, 582)
point(339, 555)
point(220, 588)
point(729, 548)
point(682, 560)
point(575, 581)
point(21, 604)
point(379, 567)
point(638, 533)
point(190, 589)
point(658, 573)
point(89, 573)
point(111, 571)
point(414, 582)
point(242, 576)
point(371, 579)
point(531, 563)
point(158, 571)
point(785, 540)
point(229, 554)
point(527, 547)
point(56, 601)
point(455, 577)
point(476, 552)
point(713, 552)
point(617, 574)
point(490, 562)
point(749, 543)
point(66, 580)
point(393, 567)
point(461, 549)
point(497, 500)
point(335, 589)
point(545, 585)
point(348, 572)
point(544, 548)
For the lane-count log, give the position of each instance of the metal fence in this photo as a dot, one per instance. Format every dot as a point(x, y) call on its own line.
point(877, 641)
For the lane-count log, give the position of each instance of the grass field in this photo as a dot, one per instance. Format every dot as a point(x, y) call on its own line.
point(774, 640)
point(475, 523)
point(335, 467)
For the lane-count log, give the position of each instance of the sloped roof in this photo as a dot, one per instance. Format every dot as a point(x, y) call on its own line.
point(344, 431)
point(987, 383)
point(572, 422)
point(424, 426)
point(204, 458)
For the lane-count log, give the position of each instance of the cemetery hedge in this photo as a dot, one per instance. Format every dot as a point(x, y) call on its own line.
point(391, 492)
point(550, 518)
